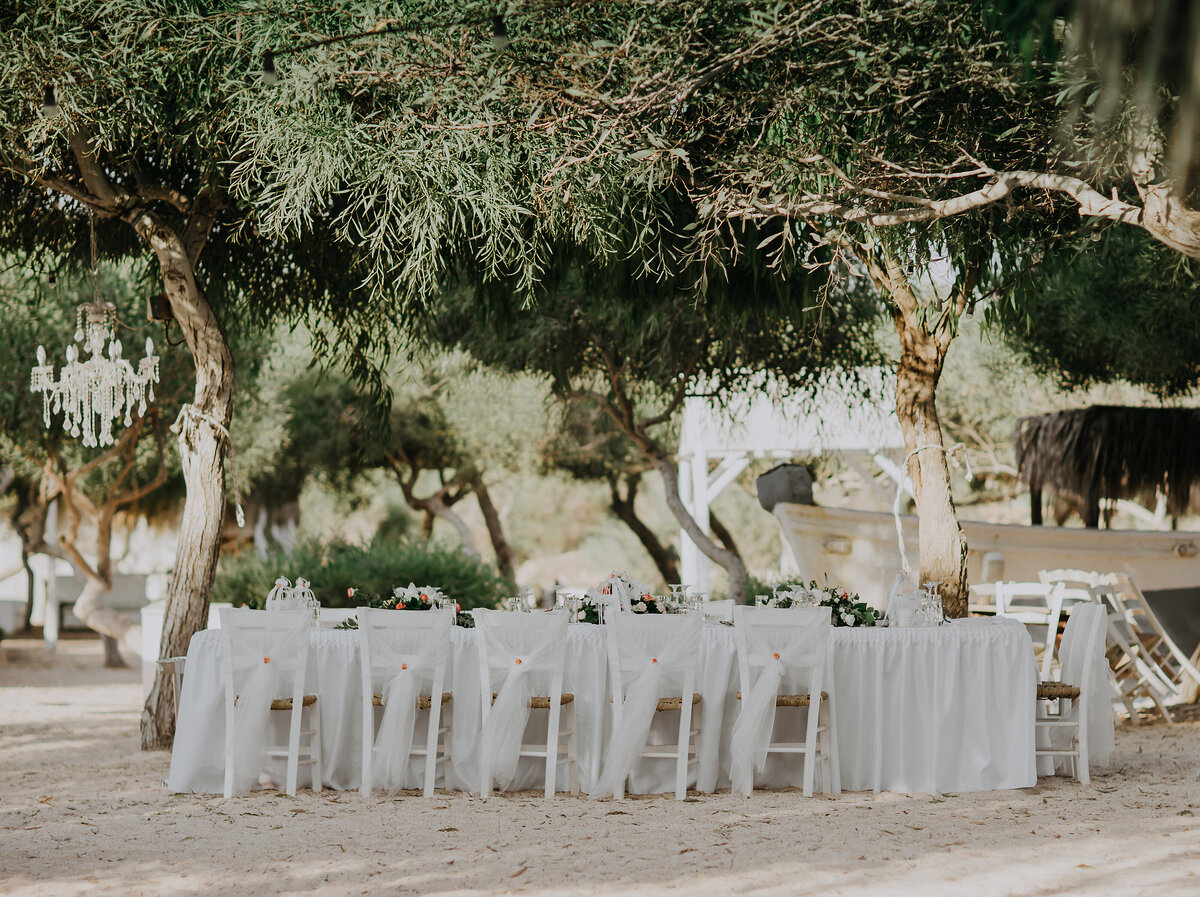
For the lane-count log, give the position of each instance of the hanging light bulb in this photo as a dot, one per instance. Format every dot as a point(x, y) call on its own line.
point(269, 75)
point(50, 103)
point(499, 33)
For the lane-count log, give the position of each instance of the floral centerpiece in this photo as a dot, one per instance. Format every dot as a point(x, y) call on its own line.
point(414, 597)
point(410, 597)
point(620, 588)
point(848, 608)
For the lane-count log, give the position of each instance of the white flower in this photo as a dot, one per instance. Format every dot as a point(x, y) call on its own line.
point(848, 618)
point(580, 616)
point(640, 607)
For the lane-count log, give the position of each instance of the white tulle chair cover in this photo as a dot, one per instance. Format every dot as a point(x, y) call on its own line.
point(1083, 664)
point(652, 654)
point(773, 644)
point(265, 653)
point(520, 653)
point(406, 660)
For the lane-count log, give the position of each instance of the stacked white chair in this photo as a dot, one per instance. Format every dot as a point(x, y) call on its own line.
point(781, 663)
point(521, 662)
point(403, 657)
point(1173, 666)
point(265, 659)
point(1082, 653)
point(1134, 670)
point(1039, 606)
point(652, 668)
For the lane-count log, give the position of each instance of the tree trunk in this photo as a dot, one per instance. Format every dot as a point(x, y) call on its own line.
point(505, 557)
point(442, 511)
point(943, 546)
point(623, 508)
point(722, 532)
point(729, 560)
point(202, 447)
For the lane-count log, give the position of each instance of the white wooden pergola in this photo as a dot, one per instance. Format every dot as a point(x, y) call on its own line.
point(717, 442)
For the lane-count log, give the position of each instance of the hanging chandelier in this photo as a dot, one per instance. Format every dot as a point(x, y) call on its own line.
point(94, 394)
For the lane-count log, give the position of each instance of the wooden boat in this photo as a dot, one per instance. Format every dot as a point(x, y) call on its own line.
point(859, 550)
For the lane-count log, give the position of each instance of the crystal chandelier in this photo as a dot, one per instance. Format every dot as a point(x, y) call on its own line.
point(95, 393)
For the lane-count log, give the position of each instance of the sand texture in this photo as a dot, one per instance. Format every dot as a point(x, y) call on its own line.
point(83, 811)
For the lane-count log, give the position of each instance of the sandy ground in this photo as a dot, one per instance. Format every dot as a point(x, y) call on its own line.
point(82, 811)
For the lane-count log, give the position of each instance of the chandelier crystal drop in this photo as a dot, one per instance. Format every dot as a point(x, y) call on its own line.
point(94, 394)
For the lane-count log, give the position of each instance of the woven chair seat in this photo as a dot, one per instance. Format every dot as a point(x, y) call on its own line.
point(676, 703)
point(792, 700)
point(285, 703)
point(542, 702)
point(424, 702)
point(1052, 690)
point(671, 703)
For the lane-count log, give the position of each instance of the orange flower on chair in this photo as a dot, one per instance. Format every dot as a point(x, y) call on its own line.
point(266, 660)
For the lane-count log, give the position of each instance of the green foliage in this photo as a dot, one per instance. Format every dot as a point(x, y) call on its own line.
point(1122, 308)
point(372, 570)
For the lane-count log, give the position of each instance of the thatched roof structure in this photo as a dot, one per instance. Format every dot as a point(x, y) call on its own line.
point(1110, 451)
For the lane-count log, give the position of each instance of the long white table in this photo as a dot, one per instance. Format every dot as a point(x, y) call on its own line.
point(940, 709)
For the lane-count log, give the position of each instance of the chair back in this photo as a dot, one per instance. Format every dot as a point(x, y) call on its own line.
point(519, 655)
point(799, 635)
point(390, 642)
point(264, 657)
point(1077, 584)
point(719, 611)
point(668, 642)
point(1083, 644)
point(1039, 606)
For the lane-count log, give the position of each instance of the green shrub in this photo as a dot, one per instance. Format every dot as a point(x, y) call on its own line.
point(373, 572)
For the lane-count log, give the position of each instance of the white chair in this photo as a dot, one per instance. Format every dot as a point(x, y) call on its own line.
point(1173, 665)
point(1039, 606)
point(1082, 654)
point(719, 611)
point(652, 668)
point(1077, 584)
point(1135, 674)
point(265, 658)
point(403, 657)
point(522, 657)
point(782, 648)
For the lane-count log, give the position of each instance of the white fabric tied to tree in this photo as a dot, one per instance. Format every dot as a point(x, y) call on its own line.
point(390, 650)
point(774, 652)
point(260, 657)
point(518, 658)
point(649, 666)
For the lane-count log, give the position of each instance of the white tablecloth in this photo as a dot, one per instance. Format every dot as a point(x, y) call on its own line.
point(942, 709)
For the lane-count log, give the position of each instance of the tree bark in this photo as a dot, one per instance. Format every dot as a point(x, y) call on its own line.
point(925, 333)
point(202, 447)
point(505, 557)
point(722, 532)
point(623, 508)
point(943, 545)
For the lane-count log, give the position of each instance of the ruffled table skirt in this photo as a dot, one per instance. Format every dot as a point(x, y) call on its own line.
point(939, 709)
